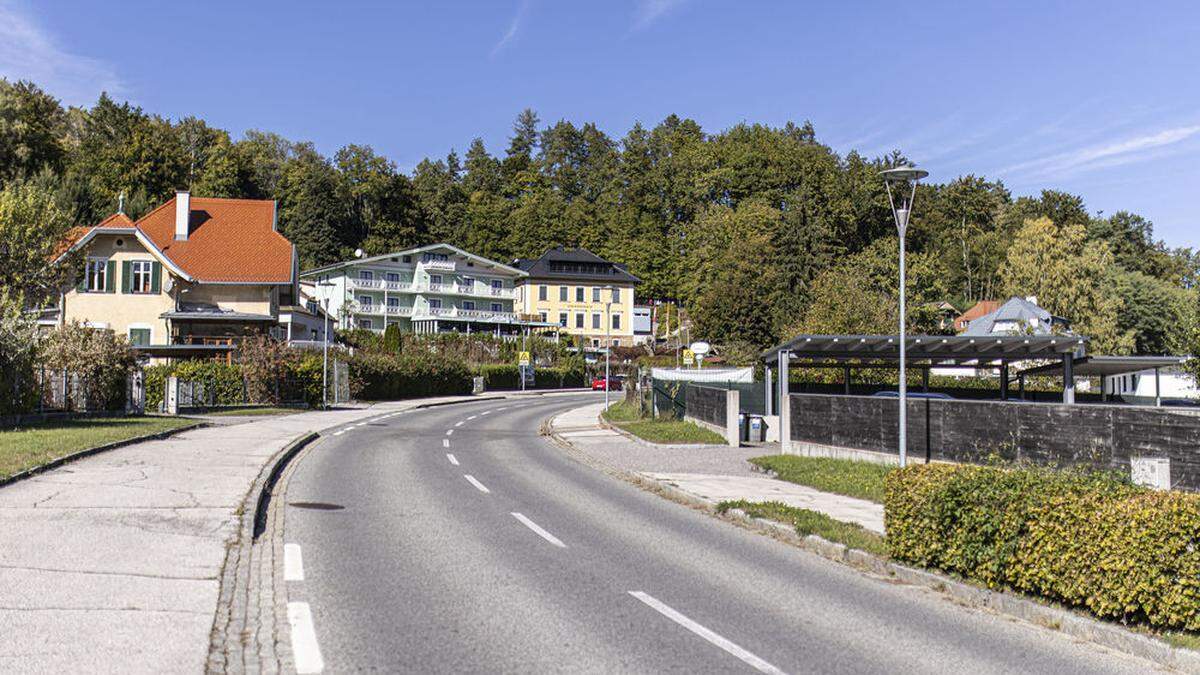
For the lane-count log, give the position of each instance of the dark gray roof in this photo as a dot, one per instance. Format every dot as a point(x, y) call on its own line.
point(933, 348)
point(1110, 365)
point(1016, 310)
point(557, 263)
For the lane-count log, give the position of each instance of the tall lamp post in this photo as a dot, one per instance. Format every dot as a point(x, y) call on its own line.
point(325, 348)
point(901, 180)
point(607, 290)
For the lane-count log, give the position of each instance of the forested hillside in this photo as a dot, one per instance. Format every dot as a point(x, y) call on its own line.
point(760, 231)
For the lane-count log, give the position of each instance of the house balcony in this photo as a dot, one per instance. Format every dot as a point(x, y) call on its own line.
point(473, 290)
point(438, 265)
point(466, 314)
point(395, 310)
point(381, 285)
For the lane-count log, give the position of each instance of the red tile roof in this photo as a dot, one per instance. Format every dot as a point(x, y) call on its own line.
point(977, 310)
point(230, 240)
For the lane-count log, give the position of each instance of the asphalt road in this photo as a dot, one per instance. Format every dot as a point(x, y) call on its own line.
point(414, 563)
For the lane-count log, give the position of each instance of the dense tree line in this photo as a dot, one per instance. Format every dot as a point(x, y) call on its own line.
point(759, 231)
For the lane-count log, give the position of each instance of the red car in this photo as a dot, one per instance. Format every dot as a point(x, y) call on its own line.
point(614, 383)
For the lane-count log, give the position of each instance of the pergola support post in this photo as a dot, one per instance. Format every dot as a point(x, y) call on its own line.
point(770, 407)
point(846, 380)
point(1021, 385)
point(785, 405)
point(925, 380)
point(1157, 389)
point(1004, 380)
point(1068, 395)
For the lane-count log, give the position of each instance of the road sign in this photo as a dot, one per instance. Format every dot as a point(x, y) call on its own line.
point(523, 359)
point(700, 348)
point(688, 355)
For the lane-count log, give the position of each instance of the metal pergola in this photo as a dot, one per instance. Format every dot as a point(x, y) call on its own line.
point(1106, 366)
point(928, 351)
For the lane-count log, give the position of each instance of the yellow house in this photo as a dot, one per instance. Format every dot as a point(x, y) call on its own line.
point(588, 296)
point(190, 278)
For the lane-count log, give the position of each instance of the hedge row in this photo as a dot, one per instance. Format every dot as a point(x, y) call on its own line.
point(508, 378)
point(299, 379)
point(376, 376)
point(1085, 539)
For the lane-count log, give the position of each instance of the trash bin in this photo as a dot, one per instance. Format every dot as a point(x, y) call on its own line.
point(743, 427)
point(756, 429)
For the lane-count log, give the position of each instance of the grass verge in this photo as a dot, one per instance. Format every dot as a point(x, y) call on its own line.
point(26, 447)
point(809, 522)
point(625, 416)
point(863, 480)
point(252, 412)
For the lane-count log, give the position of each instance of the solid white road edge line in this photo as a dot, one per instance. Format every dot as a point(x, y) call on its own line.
point(452, 458)
point(293, 563)
point(305, 651)
point(445, 442)
point(479, 486)
point(747, 657)
point(537, 529)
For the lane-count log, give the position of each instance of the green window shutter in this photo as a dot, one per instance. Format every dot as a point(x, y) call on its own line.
point(155, 274)
point(83, 281)
point(110, 276)
point(126, 277)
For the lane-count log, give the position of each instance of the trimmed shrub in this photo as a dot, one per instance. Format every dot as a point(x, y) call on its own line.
point(376, 376)
point(1090, 540)
point(508, 378)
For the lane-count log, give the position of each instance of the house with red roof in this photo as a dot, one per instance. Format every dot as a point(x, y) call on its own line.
point(190, 278)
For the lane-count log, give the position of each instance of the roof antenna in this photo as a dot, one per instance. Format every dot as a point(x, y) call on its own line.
point(121, 202)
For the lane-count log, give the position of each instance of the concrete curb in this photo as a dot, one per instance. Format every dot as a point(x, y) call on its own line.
point(1066, 621)
point(239, 640)
point(55, 463)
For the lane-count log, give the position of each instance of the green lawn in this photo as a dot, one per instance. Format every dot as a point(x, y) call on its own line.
point(809, 522)
point(252, 412)
point(839, 476)
point(625, 416)
point(27, 447)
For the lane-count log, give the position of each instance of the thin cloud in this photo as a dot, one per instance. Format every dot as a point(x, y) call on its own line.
point(29, 52)
point(513, 28)
point(1135, 149)
point(649, 11)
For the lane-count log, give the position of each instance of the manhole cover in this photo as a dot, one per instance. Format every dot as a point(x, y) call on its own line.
point(317, 506)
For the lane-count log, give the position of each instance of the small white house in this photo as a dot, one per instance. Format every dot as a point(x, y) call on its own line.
point(1172, 383)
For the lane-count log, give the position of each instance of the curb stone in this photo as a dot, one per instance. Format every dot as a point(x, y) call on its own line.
point(1065, 621)
point(67, 459)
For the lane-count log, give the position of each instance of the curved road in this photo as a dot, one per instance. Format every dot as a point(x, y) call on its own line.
point(508, 556)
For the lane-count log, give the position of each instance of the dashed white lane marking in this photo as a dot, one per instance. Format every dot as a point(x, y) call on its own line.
point(458, 423)
point(445, 442)
point(486, 412)
point(449, 432)
point(472, 417)
point(538, 530)
point(361, 424)
point(747, 657)
point(293, 563)
point(339, 433)
point(306, 653)
point(452, 458)
point(478, 486)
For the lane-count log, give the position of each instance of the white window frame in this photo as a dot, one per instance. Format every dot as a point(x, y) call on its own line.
point(435, 280)
point(563, 319)
point(366, 322)
point(596, 321)
point(595, 294)
point(543, 316)
point(616, 294)
point(468, 304)
point(435, 303)
point(562, 293)
point(616, 321)
point(393, 277)
point(497, 307)
point(393, 302)
point(139, 326)
point(145, 270)
point(97, 275)
point(366, 275)
point(366, 301)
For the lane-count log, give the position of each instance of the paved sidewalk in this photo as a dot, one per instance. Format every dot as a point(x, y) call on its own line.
point(717, 473)
point(112, 563)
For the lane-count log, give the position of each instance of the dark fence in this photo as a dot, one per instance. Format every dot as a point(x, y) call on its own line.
point(1096, 436)
point(706, 404)
point(668, 398)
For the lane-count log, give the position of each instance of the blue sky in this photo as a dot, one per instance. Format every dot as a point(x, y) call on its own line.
point(1097, 98)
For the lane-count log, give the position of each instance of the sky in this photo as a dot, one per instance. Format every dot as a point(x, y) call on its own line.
point(1100, 99)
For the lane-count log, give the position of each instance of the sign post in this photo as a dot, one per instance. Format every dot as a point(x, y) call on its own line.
point(524, 368)
point(699, 349)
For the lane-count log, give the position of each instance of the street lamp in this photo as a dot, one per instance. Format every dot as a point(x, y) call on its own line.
point(902, 178)
point(325, 348)
point(607, 290)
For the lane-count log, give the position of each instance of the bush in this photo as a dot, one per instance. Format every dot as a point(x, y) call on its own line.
point(376, 376)
point(1089, 540)
point(98, 360)
point(508, 378)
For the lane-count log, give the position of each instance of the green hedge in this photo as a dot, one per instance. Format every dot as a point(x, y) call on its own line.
point(382, 377)
point(1085, 539)
point(505, 377)
point(223, 379)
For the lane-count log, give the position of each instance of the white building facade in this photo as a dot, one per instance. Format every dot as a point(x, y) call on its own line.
point(437, 288)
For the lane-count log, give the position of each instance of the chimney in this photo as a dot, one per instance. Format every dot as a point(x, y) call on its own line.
point(1031, 299)
point(183, 212)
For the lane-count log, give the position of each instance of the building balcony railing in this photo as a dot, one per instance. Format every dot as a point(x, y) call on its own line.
point(380, 285)
point(460, 313)
point(395, 310)
point(472, 290)
point(443, 265)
